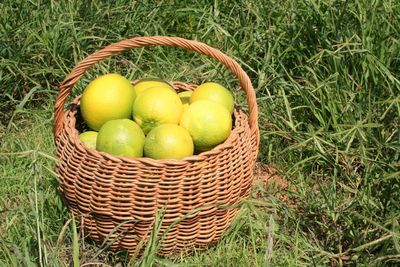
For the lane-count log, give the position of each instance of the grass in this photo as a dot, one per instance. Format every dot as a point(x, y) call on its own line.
point(326, 75)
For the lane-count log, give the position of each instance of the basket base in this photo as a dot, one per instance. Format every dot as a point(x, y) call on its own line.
point(103, 232)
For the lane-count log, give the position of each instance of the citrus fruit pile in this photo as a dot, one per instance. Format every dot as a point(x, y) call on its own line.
point(151, 119)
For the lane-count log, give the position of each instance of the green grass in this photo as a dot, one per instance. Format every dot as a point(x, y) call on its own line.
point(326, 75)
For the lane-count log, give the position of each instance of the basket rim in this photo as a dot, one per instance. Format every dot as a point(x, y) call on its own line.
point(240, 124)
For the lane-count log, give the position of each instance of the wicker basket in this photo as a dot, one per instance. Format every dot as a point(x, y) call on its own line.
point(117, 198)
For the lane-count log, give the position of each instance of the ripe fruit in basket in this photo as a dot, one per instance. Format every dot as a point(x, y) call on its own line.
point(208, 123)
point(89, 138)
point(154, 107)
point(168, 141)
point(147, 83)
point(185, 98)
point(214, 92)
point(121, 137)
point(108, 97)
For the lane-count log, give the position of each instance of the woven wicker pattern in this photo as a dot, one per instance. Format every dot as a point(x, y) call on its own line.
point(117, 198)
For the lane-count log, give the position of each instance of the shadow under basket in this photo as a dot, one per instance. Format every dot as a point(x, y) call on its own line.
point(118, 198)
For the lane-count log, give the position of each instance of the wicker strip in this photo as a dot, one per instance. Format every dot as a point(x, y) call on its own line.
point(118, 197)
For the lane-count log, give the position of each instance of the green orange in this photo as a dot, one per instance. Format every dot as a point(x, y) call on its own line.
point(89, 138)
point(168, 141)
point(154, 107)
point(108, 97)
point(208, 123)
point(185, 98)
point(214, 92)
point(121, 137)
point(146, 83)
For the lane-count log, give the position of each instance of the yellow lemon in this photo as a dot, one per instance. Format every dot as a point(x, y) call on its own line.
point(147, 83)
point(108, 97)
point(121, 137)
point(154, 107)
point(208, 123)
point(214, 92)
point(168, 141)
point(89, 138)
point(185, 98)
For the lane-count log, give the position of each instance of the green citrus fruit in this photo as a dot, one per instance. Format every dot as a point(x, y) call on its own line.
point(147, 83)
point(89, 138)
point(168, 141)
point(108, 97)
point(208, 123)
point(121, 137)
point(185, 98)
point(214, 92)
point(154, 107)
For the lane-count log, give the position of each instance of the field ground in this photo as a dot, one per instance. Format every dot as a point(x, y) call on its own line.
point(326, 75)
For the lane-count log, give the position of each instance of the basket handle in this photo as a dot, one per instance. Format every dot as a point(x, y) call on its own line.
point(138, 42)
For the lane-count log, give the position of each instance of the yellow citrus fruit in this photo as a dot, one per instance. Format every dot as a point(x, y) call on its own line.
point(185, 98)
point(214, 92)
point(168, 141)
point(208, 123)
point(154, 107)
point(147, 83)
point(108, 97)
point(89, 138)
point(121, 137)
